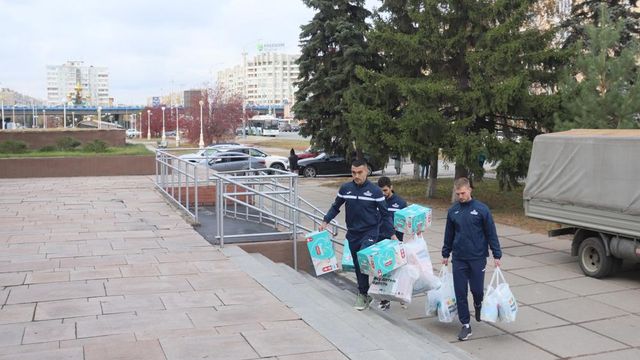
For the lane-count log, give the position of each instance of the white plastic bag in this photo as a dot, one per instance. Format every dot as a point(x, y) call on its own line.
point(444, 297)
point(418, 255)
point(507, 304)
point(396, 285)
point(489, 310)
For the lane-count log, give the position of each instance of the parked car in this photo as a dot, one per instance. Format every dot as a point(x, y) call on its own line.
point(271, 161)
point(325, 164)
point(309, 153)
point(233, 161)
point(131, 133)
point(201, 156)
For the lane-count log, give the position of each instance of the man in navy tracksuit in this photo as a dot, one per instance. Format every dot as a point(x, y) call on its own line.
point(394, 202)
point(366, 216)
point(468, 235)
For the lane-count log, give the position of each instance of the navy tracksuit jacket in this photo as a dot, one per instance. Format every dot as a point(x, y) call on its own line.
point(366, 217)
point(394, 203)
point(468, 235)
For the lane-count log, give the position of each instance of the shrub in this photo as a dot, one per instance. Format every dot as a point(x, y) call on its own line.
point(13, 147)
point(97, 146)
point(67, 143)
point(48, 148)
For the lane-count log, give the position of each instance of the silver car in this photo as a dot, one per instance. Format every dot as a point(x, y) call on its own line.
point(233, 161)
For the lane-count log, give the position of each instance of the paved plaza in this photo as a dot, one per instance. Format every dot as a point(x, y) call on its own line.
point(104, 268)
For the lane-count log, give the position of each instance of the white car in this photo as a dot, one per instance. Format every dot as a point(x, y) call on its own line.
point(131, 133)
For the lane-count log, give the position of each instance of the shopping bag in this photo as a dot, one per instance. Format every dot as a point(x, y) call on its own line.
point(394, 286)
point(507, 304)
point(418, 255)
point(443, 299)
point(489, 311)
point(347, 259)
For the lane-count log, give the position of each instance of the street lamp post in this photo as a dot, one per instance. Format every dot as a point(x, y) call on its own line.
point(140, 134)
point(99, 117)
point(73, 119)
point(201, 143)
point(177, 128)
point(64, 115)
point(2, 104)
point(148, 124)
point(164, 138)
point(44, 118)
point(13, 117)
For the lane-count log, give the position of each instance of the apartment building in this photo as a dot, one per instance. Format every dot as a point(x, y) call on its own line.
point(266, 79)
point(75, 83)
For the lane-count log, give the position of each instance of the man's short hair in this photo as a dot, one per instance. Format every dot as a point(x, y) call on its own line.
point(358, 162)
point(384, 181)
point(461, 182)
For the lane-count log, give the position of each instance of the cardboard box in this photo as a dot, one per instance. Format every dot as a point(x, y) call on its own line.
point(382, 257)
point(347, 259)
point(414, 219)
point(321, 250)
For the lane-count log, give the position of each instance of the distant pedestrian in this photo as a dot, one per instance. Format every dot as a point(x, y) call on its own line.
point(293, 161)
point(468, 235)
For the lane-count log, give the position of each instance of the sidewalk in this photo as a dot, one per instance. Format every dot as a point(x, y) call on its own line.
point(562, 313)
point(103, 268)
point(99, 268)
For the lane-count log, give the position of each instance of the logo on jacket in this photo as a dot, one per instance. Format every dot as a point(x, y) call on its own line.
point(348, 192)
point(395, 205)
point(473, 212)
point(367, 193)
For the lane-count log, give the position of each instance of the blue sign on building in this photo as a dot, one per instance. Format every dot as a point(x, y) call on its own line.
point(155, 101)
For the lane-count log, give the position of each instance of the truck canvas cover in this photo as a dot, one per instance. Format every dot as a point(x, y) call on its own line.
point(594, 169)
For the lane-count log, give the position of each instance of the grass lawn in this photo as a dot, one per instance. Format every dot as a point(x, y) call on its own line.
point(506, 206)
point(129, 149)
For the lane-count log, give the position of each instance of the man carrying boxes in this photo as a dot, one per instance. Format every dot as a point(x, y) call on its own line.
point(366, 216)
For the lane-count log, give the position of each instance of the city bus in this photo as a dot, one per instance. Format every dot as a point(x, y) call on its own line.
point(263, 125)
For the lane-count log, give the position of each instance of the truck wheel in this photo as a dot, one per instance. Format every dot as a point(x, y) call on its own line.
point(593, 258)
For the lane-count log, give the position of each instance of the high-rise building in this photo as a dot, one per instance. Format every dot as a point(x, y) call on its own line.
point(267, 79)
point(74, 83)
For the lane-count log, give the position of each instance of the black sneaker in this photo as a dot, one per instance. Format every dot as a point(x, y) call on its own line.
point(384, 305)
point(465, 333)
point(478, 309)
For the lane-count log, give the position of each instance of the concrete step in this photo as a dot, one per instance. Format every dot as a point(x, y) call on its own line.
point(328, 309)
point(397, 315)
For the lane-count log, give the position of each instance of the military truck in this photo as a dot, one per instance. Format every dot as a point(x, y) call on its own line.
point(589, 182)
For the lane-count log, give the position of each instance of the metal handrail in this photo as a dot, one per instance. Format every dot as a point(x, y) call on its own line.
point(261, 185)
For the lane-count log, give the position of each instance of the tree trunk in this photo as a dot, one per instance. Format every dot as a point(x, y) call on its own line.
point(416, 171)
point(460, 171)
point(433, 177)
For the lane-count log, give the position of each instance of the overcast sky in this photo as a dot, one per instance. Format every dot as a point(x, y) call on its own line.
point(147, 45)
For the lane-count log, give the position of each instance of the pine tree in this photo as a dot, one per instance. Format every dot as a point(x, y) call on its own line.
point(588, 12)
point(457, 71)
point(333, 45)
point(601, 89)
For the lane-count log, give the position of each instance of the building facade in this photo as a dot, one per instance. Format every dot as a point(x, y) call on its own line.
point(267, 79)
point(74, 83)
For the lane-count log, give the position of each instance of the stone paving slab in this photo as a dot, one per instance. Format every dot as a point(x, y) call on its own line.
point(104, 268)
point(571, 340)
point(623, 329)
point(503, 347)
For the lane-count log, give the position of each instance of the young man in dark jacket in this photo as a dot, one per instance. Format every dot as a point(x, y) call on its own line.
point(468, 235)
point(394, 203)
point(366, 216)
